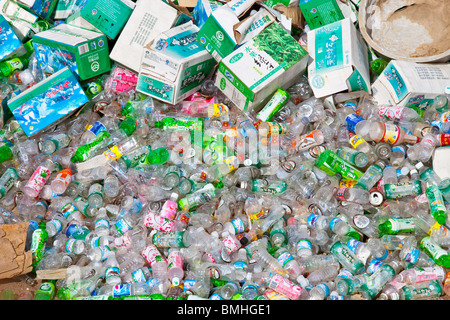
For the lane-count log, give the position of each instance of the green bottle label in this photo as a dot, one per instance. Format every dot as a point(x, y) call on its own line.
point(404, 189)
point(432, 249)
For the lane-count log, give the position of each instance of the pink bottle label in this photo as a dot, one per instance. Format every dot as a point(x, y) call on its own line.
point(175, 260)
point(152, 255)
point(158, 223)
point(231, 244)
point(169, 210)
point(38, 179)
point(285, 287)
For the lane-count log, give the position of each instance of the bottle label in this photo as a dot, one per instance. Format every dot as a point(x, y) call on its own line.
point(312, 220)
point(219, 110)
point(65, 177)
point(412, 256)
point(121, 290)
point(444, 139)
point(113, 153)
point(238, 225)
point(374, 265)
point(175, 260)
point(102, 223)
point(138, 276)
point(273, 295)
point(391, 133)
point(256, 216)
point(285, 258)
point(122, 226)
point(68, 210)
point(390, 112)
point(241, 265)
point(429, 273)
point(57, 224)
point(352, 120)
point(284, 286)
point(352, 244)
point(69, 245)
point(158, 223)
point(96, 128)
point(333, 223)
point(403, 225)
point(38, 179)
point(303, 244)
point(356, 140)
point(231, 244)
point(169, 210)
point(324, 288)
point(104, 250)
point(152, 255)
point(432, 249)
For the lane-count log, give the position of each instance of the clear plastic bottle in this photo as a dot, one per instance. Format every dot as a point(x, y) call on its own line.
point(390, 133)
point(322, 290)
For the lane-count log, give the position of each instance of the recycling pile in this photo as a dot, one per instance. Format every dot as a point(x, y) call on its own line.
point(165, 164)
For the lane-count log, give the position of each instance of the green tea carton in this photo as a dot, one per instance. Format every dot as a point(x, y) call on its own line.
point(231, 25)
point(106, 16)
point(339, 59)
point(251, 74)
point(174, 65)
point(43, 8)
point(84, 51)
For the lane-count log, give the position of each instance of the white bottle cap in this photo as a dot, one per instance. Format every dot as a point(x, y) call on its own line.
point(175, 281)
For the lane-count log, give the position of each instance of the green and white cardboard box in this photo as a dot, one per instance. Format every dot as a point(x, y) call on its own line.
point(174, 65)
point(251, 74)
point(410, 84)
point(339, 59)
point(229, 26)
point(148, 20)
point(106, 16)
point(63, 44)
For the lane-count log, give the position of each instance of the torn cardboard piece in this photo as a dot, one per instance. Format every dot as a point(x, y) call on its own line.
point(14, 260)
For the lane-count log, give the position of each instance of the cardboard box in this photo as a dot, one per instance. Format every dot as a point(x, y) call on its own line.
point(43, 8)
point(18, 17)
point(148, 20)
point(203, 10)
point(231, 25)
point(64, 9)
point(318, 13)
point(84, 51)
point(411, 84)
point(49, 101)
point(174, 65)
point(9, 42)
point(252, 73)
point(107, 16)
point(339, 59)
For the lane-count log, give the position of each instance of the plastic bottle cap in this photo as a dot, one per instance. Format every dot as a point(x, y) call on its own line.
point(175, 281)
point(244, 241)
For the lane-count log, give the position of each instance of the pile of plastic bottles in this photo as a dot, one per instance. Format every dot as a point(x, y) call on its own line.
point(138, 199)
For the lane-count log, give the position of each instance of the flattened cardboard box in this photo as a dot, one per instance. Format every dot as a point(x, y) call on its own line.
point(252, 73)
point(339, 59)
point(174, 65)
